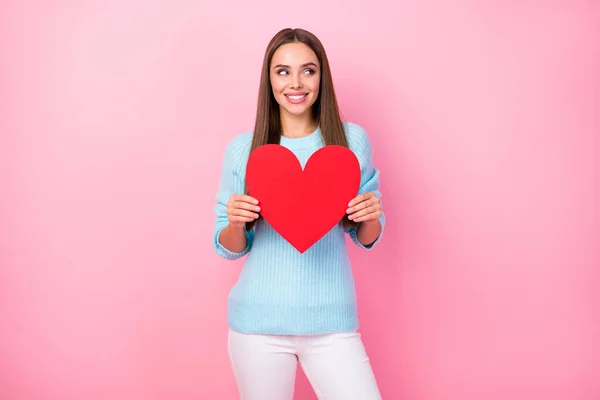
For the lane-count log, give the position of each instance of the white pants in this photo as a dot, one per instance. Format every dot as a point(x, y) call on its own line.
point(336, 366)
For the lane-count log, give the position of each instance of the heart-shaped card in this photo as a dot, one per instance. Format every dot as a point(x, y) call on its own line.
point(303, 205)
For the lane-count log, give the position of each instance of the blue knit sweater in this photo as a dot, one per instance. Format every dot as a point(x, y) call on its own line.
point(279, 290)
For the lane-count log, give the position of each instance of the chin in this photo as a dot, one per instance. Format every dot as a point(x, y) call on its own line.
point(297, 112)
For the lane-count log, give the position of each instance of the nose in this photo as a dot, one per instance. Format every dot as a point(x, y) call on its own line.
point(296, 82)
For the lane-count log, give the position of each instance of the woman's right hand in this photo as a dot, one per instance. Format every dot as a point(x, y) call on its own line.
point(241, 208)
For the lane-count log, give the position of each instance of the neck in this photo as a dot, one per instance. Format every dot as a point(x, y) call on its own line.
point(295, 126)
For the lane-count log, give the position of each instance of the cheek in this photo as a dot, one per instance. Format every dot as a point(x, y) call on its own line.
point(277, 86)
point(315, 85)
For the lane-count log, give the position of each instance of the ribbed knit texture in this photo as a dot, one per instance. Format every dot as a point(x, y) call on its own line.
point(279, 290)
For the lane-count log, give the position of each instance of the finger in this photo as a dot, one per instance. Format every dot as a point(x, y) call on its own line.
point(362, 212)
point(239, 219)
point(368, 217)
point(364, 204)
point(360, 198)
point(246, 199)
point(243, 213)
point(245, 206)
point(357, 200)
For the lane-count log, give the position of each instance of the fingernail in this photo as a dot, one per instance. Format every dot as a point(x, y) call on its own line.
point(348, 211)
point(257, 208)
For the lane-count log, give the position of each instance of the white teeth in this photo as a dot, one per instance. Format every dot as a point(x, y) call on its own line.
point(296, 97)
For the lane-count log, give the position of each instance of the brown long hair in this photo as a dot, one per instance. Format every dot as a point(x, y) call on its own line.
point(267, 128)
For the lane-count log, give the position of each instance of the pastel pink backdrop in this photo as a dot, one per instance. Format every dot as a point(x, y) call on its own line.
point(485, 122)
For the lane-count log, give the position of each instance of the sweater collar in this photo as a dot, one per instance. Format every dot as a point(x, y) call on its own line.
point(311, 140)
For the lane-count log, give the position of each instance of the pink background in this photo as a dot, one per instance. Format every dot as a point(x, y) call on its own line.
point(484, 117)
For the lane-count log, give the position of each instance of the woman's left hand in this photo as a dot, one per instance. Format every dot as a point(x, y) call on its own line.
point(365, 207)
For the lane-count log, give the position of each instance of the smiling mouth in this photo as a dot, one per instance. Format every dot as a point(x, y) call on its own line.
point(296, 97)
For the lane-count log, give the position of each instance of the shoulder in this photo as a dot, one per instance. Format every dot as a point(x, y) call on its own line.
point(237, 151)
point(358, 139)
point(240, 144)
point(238, 148)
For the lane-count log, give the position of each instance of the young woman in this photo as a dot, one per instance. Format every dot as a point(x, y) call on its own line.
point(287, 307)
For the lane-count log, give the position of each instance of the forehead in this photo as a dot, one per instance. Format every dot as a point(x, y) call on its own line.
point(294, 54)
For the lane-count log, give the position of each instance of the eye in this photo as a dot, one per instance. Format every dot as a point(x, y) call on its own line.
point(282, 72)
point(309, 71)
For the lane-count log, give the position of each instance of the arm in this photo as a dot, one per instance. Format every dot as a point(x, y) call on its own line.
point(367, 205)
point(368, 232)
point(231, 240)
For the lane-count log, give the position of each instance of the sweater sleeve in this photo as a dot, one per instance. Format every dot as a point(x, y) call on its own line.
point(369, 176)
point(232, 182)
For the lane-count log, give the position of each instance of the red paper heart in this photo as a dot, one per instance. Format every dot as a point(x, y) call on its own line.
point(302, 206)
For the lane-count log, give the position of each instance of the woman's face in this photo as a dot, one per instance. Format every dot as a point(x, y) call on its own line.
point(295, 75)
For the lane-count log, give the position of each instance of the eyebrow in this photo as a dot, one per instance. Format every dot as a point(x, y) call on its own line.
point(302, 66)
